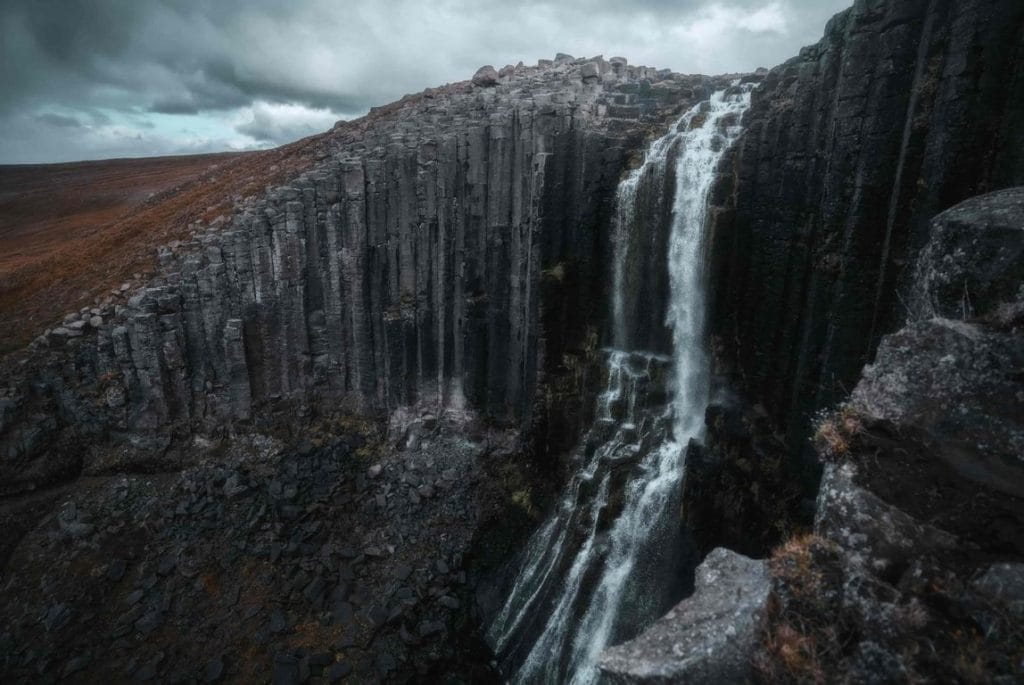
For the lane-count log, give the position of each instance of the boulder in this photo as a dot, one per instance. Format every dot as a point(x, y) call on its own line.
point(708, 638)
point(485, 77)
point(974, 259)
point(960, 382)
point(875, 535)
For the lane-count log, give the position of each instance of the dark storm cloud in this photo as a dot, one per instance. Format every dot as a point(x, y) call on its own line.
point(186, 56)
point(172, 105)
point(58, 120)
point(220, 60)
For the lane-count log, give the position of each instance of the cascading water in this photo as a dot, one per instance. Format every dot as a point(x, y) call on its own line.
point(589, 574)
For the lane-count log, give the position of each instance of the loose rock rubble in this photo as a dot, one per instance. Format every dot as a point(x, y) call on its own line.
point(312, 563)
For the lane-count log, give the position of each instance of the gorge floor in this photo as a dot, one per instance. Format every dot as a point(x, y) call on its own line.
point(340, 557)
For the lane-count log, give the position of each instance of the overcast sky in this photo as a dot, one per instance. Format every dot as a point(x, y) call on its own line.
point(83, 79)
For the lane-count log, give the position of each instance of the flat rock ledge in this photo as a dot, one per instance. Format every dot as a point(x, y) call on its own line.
point(707, 638)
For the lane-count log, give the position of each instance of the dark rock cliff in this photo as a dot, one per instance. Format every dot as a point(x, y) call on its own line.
point(912, 571)
point(901, 111)
point(449, 251)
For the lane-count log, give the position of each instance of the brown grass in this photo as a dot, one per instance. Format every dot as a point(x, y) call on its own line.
point(71, 232)
point(794, 656)
point(801, 639)
point(836, 432)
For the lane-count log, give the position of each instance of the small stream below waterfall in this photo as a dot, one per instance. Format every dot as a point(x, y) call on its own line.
point(607, 560)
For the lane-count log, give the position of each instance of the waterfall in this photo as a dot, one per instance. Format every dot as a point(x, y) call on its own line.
point(600, 567)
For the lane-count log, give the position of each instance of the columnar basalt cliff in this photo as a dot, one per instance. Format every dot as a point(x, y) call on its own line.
point(312, 439)
point(448, 252)
point(901, 111)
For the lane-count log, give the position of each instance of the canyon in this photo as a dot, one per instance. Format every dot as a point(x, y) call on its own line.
point(582, 371)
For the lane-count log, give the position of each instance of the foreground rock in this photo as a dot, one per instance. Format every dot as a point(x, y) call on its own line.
point(706, 639)
point(914, 572)
point(262, 561)
point(960, 380)
point(974, 261)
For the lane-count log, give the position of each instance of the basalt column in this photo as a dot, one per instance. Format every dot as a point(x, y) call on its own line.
point(902, 110)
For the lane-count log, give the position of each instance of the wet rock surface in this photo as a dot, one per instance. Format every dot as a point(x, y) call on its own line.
point(739, 488)
point(337, 558)
point(707, 638)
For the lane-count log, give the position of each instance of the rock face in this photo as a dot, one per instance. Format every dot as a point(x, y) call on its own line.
point(957, 380)
point(922, 486)
point(707, 639)
point(956, 384)
point(450, 250)
point(974, 261)
point(902, 110)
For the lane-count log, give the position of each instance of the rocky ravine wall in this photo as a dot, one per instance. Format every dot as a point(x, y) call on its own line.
point(914, 569)
point(901, 111)
point(448, 252)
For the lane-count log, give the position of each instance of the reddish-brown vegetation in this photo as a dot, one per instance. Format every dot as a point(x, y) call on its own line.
point(71, 232)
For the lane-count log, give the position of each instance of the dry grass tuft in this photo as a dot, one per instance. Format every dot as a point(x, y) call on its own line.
point(801, 639)
point(790, 655)
point(836, 432)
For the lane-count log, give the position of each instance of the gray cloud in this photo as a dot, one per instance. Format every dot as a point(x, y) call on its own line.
point(59, 120)
point(222, 60)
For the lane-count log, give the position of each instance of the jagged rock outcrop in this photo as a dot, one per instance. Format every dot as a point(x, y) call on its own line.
point(917, 549)
point(449, 251)
point(912, 569)
point(960, 380)
point(973, 263)
point(903, 109)
point(706, 639)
